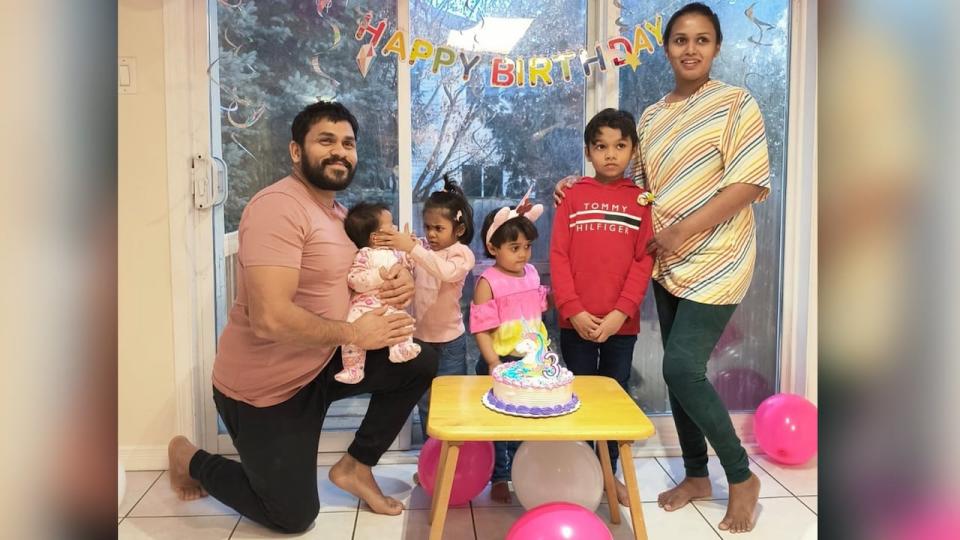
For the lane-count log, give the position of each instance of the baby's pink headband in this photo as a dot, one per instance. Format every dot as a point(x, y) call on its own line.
point(523, 208)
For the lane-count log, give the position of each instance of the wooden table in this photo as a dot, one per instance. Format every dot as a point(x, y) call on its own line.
point(606, 413)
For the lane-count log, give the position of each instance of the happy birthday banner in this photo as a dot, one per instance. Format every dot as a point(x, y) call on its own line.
point(617, 51)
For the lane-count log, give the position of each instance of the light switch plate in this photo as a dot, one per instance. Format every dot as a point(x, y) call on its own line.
point(127, 74)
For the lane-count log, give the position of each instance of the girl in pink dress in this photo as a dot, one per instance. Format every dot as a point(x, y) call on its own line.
point(508, 297)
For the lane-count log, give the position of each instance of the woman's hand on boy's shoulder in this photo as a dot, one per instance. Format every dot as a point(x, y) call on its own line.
point(566, 182)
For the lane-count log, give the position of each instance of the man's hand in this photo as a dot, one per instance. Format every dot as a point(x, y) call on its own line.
point(397, 288)
point(404, 241)
point(562, 185)
point(376, 330)
point(608, 326)
point(585, 324)
point(668, 240)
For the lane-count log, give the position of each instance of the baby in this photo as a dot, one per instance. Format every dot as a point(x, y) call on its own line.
point(367, 273)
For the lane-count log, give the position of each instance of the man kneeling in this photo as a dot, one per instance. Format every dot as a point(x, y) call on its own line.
point(273, 378)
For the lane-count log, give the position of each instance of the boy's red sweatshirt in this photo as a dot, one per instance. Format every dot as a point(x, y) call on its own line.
point(598, 256)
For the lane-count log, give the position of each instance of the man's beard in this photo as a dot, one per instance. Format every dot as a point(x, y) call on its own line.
point(318, 177)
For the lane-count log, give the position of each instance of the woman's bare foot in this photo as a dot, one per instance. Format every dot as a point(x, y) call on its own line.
point(500, 492)
point(357, 479)
point(689, 489)
point(740, 507)
point(622, 496)
point(180, 451)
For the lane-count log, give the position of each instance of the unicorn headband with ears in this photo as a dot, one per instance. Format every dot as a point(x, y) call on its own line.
point(524, 208)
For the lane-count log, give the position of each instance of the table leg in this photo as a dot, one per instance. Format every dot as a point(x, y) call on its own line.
point(633, 490)
point(449, 452)
point(609, 483)
point(444, 448)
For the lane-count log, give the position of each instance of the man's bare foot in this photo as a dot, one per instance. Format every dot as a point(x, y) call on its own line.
point(500, 492)
point(689, 489)
point(357, 479)
point(742, 504)
point(622, 496)
point(180, 451)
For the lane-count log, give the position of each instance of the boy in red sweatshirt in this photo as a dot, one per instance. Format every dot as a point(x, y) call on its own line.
point(599, 265)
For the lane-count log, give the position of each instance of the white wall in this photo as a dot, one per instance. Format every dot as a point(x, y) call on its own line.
point(146, 396)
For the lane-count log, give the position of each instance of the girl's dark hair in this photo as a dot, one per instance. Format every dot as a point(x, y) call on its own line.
point(508, 232)
point(699, 9)
point(613, 119)
point(452, 200)
point(363, 220)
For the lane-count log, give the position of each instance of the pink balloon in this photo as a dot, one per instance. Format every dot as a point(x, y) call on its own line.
point(786, 428)
point(474, 468)
point(559, 521)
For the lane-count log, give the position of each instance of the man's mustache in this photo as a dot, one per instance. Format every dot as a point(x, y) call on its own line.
point(331, 161)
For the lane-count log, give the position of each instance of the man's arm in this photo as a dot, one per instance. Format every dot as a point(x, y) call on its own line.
point(274, 316)
point(397, 288)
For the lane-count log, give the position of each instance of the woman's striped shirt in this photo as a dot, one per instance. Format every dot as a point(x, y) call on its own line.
point(690, 150)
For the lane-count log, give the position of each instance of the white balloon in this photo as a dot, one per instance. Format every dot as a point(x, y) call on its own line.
point(121, 483)
point(557, 471)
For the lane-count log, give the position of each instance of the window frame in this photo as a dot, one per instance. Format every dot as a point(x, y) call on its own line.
point(186, 27)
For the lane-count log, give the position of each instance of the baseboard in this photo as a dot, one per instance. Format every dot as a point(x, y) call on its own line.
point(144, 458)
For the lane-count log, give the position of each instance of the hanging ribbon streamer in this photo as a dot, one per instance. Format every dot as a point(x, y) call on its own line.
point(233, 137)
point(322, 6)
point(336, 33)
point(315, 65)
point(253, 119)
point(761, 25)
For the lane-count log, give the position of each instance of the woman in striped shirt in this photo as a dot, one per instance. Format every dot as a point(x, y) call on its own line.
point(703, 156)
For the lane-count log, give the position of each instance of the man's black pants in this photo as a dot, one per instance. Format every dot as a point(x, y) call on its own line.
point(275, 484)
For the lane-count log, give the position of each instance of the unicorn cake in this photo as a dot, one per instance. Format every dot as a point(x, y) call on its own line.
point(536, 386)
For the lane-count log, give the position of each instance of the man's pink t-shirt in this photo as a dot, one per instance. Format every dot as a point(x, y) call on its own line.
point(283, 225)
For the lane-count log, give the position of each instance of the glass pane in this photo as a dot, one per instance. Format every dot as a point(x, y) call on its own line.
point(497, 142)
point(273, 58)
point(276, 58)
point(754, 55)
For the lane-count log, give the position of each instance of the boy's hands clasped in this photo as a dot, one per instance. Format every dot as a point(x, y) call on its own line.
point(593, 328)
point(585, 324)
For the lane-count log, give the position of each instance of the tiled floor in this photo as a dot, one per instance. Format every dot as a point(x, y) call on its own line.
point(787, 510)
